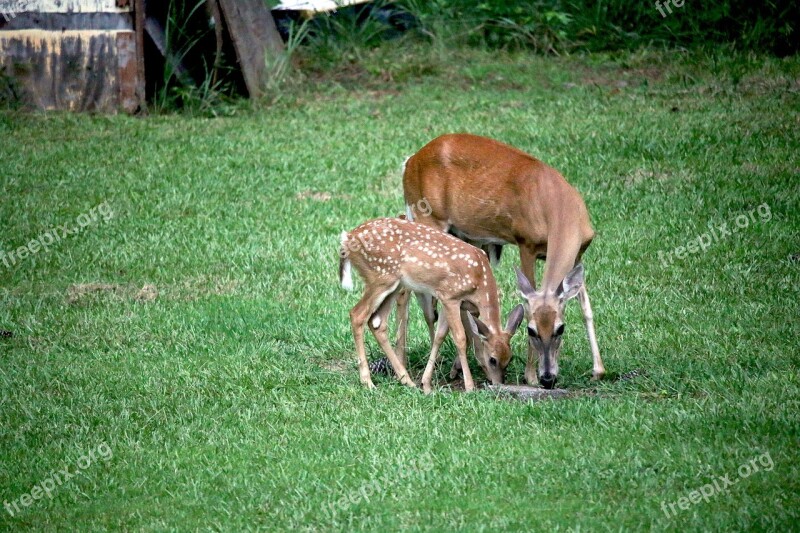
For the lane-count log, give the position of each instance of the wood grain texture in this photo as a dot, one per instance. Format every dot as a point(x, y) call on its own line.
point(73, 70)
point(67, 21)
point(65, 6)
point(255, 38)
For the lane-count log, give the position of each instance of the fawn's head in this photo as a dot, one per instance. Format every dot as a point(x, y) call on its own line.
point(493, 351)
point(546, 321)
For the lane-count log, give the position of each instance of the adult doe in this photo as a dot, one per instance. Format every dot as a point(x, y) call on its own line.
point(491, 194)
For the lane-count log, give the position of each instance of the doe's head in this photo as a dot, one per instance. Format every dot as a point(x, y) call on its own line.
point(546, 322)
point(493, 351)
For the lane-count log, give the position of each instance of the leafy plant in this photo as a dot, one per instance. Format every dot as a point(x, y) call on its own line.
point(10, 92)
point(347, 33)
point(199, 91)
point(279, 66)
point(553, 25)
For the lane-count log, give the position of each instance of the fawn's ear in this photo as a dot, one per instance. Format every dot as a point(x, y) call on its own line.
point(524, 285)
point(514, 319)
point(571, 284)
point(478, 328)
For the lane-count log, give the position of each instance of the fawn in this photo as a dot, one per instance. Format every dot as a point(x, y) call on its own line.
point(392, 254)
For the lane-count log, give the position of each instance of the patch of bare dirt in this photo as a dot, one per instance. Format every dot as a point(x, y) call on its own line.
point(383, 94)
point(760, 85)
point(339, 366)
point(615, 78)
point(203, 285)
point(85, 292)
point(80, 291)
point(641, 174)
point(148, 293)
point(320, 196)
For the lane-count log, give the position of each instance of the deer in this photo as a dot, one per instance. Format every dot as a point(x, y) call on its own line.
point(394, 254)
point(491, 194)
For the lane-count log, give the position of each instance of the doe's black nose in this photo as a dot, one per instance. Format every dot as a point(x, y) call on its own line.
point(547, 381)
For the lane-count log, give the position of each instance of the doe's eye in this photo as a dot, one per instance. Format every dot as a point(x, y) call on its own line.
point(559, 331)
point(532, 332)
point(493, 361)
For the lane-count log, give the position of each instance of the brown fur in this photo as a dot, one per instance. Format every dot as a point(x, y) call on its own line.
point(485, 190)
point(488, 189)
point(545, 318)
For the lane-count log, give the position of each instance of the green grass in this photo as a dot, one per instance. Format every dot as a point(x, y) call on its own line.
point(232, 400)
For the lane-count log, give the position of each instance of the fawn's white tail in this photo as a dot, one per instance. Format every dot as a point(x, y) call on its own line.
point(345, 269)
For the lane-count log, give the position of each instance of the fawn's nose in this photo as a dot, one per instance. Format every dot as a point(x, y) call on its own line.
point(547, 380)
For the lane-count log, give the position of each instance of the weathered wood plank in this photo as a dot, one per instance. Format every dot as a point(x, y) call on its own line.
point(73, 70)
point(255, 37)
point(127, 71)
point(65, 6)
point(68, 21)
point(139, 18)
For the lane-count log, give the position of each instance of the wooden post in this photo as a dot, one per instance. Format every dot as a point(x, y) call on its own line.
point(255, 37)
point(138, 27)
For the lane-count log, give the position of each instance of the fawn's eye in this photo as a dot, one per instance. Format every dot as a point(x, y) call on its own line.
point(559, 331)
point(532, 332)
point(493, 361)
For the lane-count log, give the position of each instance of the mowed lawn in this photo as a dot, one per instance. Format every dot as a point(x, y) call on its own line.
point(189, 356)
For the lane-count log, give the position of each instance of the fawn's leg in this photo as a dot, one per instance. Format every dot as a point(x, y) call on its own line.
point(438, 338)
point(369, 303)
point(402, 325)
point(358, 315)
point(378, 324)
point(471, 340)
point(453, 313)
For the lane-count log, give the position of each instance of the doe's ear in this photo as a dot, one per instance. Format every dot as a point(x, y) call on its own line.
point(571, 284)
point(514, 319)
point(524, 285)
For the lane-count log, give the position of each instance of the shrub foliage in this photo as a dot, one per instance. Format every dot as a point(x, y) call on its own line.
point(556, 25)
